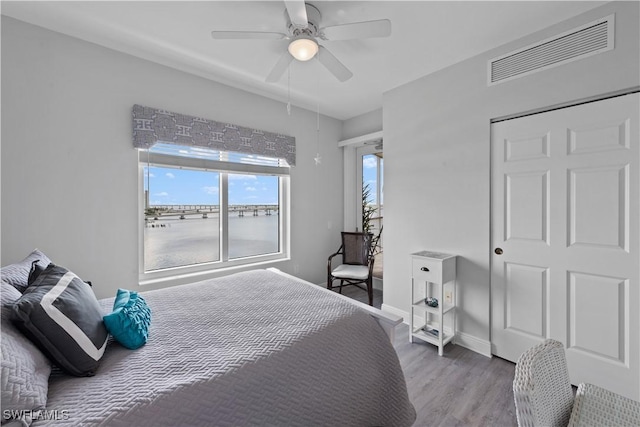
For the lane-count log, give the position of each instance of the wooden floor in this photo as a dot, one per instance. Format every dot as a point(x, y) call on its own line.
point(461, 388)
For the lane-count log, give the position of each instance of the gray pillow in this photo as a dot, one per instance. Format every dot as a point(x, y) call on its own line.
point(17, 275)
point(61, 315)
point(25, 370)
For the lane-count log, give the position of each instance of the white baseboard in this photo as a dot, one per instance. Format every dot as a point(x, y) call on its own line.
point(472, 343)
point(396, 311)
point(462, 339)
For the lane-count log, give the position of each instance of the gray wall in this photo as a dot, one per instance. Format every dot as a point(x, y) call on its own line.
point(70, 174)
point(437, 163)
point(362, 125)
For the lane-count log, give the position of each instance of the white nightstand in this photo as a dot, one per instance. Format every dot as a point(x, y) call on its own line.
point(433, 274)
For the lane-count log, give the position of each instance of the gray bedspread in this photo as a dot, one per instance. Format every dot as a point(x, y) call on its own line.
point(249, 349)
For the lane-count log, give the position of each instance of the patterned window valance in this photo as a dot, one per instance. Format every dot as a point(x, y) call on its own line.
point(151, 125)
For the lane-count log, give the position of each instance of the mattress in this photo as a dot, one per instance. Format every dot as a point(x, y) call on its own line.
point(250, 349)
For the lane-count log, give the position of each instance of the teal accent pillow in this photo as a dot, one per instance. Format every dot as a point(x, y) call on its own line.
point(130, 320)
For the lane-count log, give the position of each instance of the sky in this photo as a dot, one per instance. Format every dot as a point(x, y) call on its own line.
point(369, 175)
point(169, 186)
point(173, 186)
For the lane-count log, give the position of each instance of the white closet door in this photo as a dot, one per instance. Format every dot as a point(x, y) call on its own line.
point(565, 217)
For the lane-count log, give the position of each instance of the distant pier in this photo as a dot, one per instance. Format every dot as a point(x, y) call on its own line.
point(157, 212)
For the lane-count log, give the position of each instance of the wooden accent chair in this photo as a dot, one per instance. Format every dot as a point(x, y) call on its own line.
point(357, 263)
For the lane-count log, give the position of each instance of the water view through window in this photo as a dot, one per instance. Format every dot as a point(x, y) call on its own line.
point(253, 228)
point(183, 225)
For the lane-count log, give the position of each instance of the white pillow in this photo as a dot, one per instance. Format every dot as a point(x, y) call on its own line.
point(17, 275)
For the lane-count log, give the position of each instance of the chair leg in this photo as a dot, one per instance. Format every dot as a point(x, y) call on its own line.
point(329, 282)
point(341, 283)
point(370, 291)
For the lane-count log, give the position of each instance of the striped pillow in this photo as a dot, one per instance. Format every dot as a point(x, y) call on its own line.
point(61, 315)
point(25, 370)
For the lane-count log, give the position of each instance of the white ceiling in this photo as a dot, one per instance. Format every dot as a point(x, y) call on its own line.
point(426, 36)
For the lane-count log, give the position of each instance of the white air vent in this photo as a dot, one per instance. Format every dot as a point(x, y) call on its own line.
point(578, 43)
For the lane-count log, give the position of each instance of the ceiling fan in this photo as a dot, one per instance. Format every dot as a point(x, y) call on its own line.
point(303, 32)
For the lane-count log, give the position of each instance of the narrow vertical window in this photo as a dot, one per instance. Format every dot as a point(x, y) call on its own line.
point(372, 194)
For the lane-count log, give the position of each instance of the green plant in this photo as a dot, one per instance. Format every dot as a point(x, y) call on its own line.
point(367, 209)
point(151, 211)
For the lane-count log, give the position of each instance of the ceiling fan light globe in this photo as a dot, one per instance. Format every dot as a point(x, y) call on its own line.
point(303, 48)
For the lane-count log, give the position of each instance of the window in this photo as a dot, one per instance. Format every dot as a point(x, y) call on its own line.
point(182, 221)
point(371, 183)
point(205, 209)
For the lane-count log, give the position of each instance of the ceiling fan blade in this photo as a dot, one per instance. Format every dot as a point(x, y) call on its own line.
point(358, 30)
point(280, 67)
point(332, 64)
point(297, 13)
point(238, 35)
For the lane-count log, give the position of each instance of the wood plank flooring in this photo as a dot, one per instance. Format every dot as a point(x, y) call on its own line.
point(461, 388)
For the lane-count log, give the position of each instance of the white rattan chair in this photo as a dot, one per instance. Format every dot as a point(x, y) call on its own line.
point(544, 397)
point(541, 386)
point(595, 407)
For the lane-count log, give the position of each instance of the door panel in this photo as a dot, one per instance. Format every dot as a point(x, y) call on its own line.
point(590, 294)
point(526, 299)
point(597, 206)
point(565, 212)
point(534, 147)
point(527, 198)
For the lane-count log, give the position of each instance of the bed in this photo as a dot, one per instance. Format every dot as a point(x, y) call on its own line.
point(252, 348)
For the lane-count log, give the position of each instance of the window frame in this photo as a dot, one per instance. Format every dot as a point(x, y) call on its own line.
point(147, 158)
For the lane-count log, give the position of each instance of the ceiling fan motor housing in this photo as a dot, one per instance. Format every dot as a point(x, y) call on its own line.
point(313, 18)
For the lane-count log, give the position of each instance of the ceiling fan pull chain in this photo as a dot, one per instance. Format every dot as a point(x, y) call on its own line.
point(289, 89)
point(318, 159)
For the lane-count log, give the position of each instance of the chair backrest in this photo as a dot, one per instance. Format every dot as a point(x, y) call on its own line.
point(375, 242)
point(356, 248)
point(541, 386)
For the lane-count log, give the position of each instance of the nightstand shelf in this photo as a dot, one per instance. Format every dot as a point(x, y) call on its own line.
point(433, 275)
point(430, 338)
point(420, 304)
